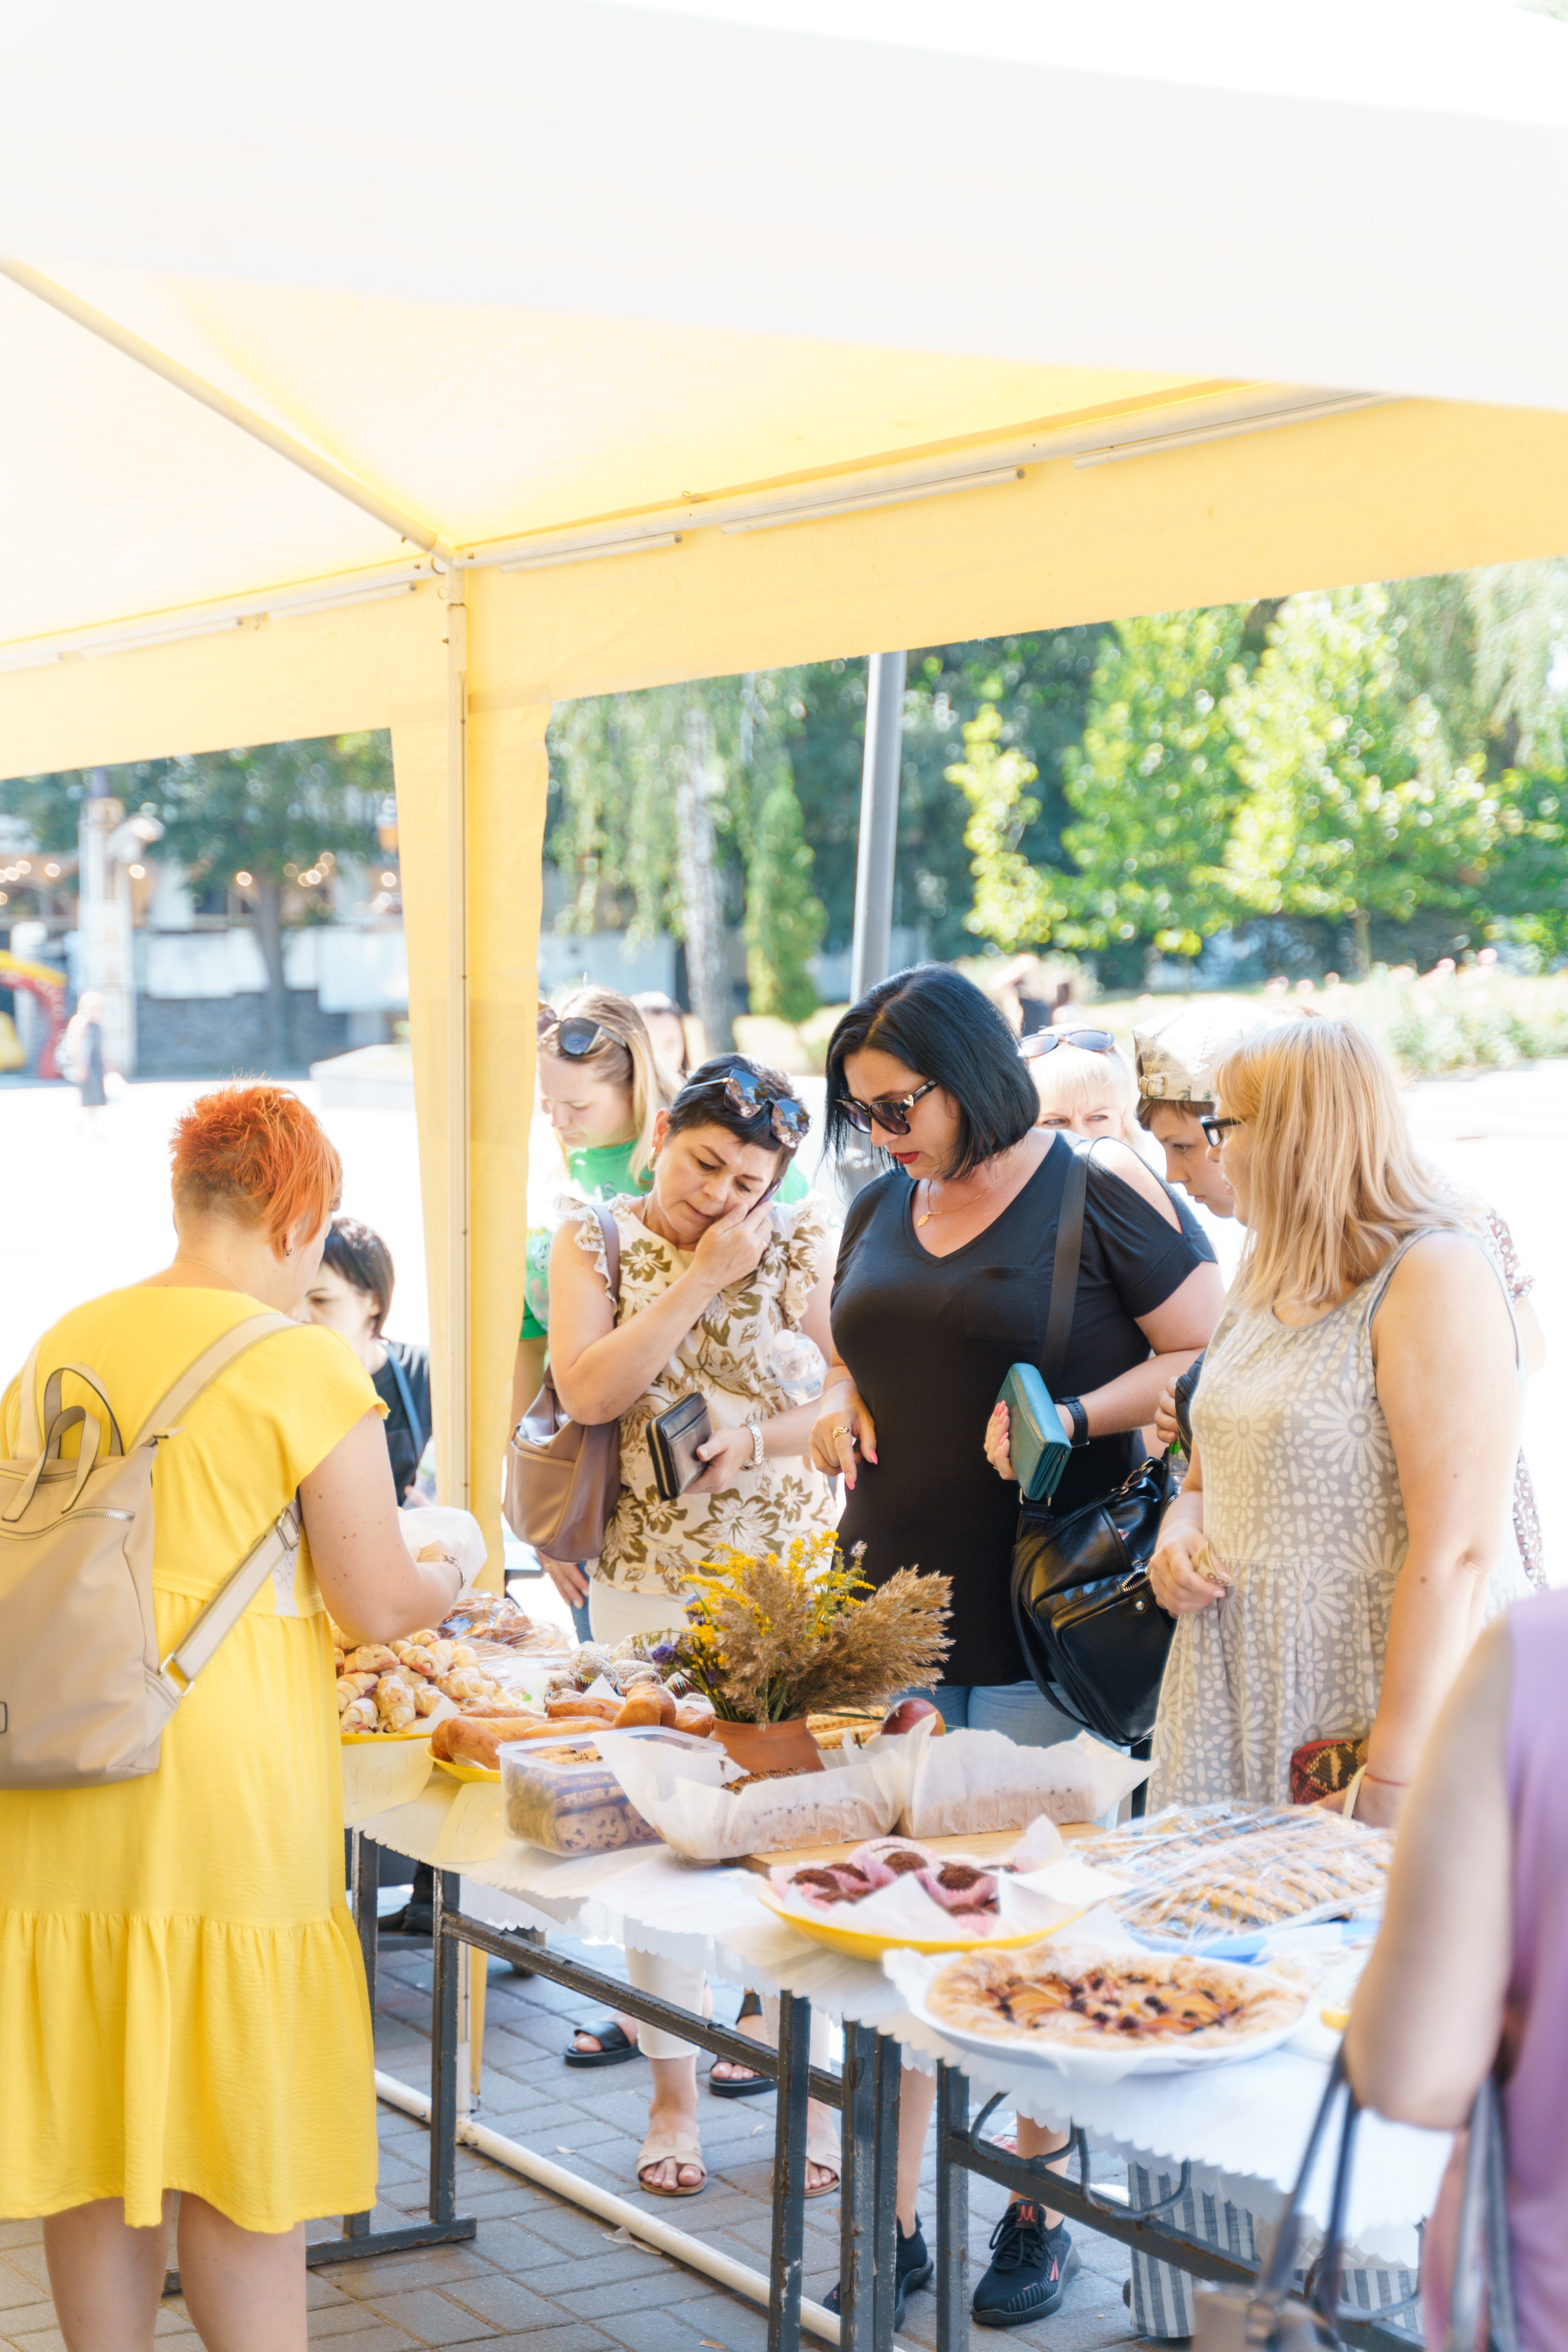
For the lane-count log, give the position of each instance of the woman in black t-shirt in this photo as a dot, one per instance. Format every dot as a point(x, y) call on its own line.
point(943, 1281)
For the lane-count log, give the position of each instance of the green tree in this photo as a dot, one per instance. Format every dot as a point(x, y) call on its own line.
point(273, 812)
point(1154, 786)
point(1016, 903)
point(1356, 804)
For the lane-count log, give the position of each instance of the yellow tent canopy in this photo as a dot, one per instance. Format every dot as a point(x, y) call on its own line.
point(419, 373)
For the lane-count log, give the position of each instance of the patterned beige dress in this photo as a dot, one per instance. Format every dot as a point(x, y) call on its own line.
point(749, 1356)
point(1301, 1502)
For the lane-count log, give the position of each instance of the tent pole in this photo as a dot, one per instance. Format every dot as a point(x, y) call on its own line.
point(871, 953)
point(454, 1470)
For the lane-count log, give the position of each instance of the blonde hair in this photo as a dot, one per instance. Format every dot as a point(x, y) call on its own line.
point(1071, 1079)
point(1336, 1183)
point(623, 1056)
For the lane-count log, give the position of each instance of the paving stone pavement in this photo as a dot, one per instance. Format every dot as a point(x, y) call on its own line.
point(542, 2274)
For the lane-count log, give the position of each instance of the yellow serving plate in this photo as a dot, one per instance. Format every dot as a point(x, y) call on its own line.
point(382, 1738)
point(467, 1771)
point(859, 1946)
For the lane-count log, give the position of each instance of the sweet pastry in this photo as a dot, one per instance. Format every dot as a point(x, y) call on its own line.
point(962, 1888)
point(1087, 2000)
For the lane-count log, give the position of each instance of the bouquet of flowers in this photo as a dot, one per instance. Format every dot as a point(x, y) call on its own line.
point(788, 1635)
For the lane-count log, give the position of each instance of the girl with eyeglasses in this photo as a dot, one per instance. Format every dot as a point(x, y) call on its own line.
point(724, 1295)
point(942, 1283)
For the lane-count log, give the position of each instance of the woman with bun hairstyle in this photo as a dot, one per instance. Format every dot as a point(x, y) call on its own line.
point(181, 1999)
point(724, 1294)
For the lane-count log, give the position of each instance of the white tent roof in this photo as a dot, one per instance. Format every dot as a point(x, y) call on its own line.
point(533, 269)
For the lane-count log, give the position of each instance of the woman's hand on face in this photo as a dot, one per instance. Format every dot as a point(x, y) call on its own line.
point(568, 1579)
point(734, 1246)
point(1165, 1428)
point(726, 1453)
point(999, 1443)
point(1179, 1588)
point(836, 1436)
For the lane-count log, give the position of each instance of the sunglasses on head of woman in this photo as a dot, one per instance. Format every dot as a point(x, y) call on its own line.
point(576, 1036)
point(890, 1112)
point(749, 1095)
point(1046, 1041)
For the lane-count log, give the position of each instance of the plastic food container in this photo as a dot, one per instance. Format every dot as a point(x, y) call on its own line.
point(563, 1796)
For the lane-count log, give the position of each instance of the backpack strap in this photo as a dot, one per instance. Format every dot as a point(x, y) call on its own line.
point(164, 1419)
point(234, 1596)
point(229, 1603)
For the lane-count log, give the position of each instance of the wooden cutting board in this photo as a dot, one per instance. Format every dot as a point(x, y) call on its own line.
point(987, 1845)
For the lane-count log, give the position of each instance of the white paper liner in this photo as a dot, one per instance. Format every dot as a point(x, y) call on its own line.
point(1037, 1902)
point(703, 1821)
point(968, 1781)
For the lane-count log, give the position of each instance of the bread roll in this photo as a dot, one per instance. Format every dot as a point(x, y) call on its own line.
point(572, 1703)
point(472, 1741)
point(358, 1716)
point(426, 1698)
point(651, 1703)
point(695, 1716)
point(395, 1702)
point(370, 1658)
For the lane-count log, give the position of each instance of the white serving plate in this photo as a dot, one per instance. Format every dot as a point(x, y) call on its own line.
point(914, 1975)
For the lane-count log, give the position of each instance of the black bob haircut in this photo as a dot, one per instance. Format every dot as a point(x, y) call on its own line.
point(359, 1255)
point(941, 1026)
point(700, 1104)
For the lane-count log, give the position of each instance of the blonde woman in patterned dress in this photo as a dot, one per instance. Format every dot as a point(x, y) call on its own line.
point(1340, 1539)
point(723, 1291)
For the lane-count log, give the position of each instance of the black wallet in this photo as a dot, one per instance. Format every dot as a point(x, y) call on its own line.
point(673, 1440)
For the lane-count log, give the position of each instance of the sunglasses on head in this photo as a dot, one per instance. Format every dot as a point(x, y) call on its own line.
point(1046, 1041)
point(752, 1098)
point(575, 1036)
point(890, 1112)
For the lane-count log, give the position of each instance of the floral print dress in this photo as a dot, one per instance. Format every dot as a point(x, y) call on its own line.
point(748, 1358)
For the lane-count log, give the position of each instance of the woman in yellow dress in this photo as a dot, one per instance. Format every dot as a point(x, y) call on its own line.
point(182, 1999)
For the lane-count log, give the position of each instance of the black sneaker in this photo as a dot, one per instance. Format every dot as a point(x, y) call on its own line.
point(914, 2269)
point(1030, 2266)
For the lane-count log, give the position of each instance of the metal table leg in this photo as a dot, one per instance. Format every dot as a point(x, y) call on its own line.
point(890, 2062)
point(789, 2173)
point(952, 2213)
point(857, 2190)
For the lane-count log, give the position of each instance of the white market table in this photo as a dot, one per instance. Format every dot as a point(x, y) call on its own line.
point(1234, 2133)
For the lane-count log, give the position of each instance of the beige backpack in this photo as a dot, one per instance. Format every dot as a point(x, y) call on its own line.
point(84, 1695)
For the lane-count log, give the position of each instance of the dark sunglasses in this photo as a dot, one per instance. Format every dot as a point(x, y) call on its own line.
point(575, 1036)
point(1215, 1128)
point(752, 1099)
point(891, 1112)
point(1046, 1041)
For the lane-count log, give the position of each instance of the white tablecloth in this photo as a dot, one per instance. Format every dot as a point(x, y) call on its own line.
point(1242, 2127)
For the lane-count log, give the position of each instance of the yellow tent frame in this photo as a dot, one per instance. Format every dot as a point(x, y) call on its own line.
point(465, 667)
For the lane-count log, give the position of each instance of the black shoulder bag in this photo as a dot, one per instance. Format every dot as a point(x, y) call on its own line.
point(1092, 1634)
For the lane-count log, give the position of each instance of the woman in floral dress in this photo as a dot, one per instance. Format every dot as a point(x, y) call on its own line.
point(725, 1293)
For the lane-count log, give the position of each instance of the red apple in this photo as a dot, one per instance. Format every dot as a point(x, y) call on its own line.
point(908, 1713)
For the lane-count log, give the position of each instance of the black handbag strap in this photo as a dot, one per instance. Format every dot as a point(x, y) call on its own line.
point(1065, 1268)
point(1275, 2282)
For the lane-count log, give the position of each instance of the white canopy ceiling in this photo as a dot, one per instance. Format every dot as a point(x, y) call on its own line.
point(521, 267)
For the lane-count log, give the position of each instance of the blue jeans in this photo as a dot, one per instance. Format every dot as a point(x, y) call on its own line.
point(1017, 1710)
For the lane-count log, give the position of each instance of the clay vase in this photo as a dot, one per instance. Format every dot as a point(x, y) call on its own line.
point(771, 1747)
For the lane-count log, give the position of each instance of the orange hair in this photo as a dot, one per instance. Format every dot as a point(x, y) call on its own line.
point(257, 1154)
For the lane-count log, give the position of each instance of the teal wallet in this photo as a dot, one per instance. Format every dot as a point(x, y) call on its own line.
point(1040, 1452)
